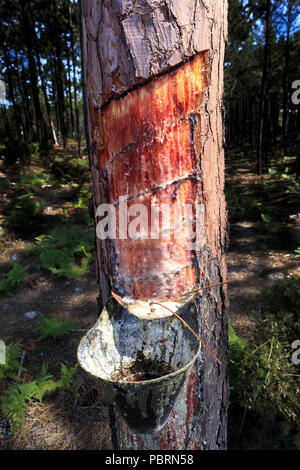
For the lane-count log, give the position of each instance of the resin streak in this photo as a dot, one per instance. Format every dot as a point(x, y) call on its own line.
point(148, 157)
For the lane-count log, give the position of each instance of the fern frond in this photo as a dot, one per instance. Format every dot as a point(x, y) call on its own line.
point(53, 327)
point(13, 354)
point(15, 276)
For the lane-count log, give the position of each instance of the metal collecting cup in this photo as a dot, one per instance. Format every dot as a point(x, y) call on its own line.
point(141, 364)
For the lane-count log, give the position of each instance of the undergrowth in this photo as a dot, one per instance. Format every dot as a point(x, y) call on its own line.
point(263, 378)
point(16, 397)
point(22, 152)
point(68, 169)
point(65, 252)
point(15, 276)
point(24, 213)
point(52, 327)
point(13, 353)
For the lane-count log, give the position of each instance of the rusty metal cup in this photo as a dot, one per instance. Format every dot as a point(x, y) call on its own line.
point(119, 344)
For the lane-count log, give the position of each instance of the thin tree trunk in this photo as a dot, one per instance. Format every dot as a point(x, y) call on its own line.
point(28, 30)
point(27, 127)
point(5, 119)
point(161, 140)
point(27, 98)
point(54, 94)
point(286, 81)
point(19, 107)
point(11, 93)
point(264, 90)
point(58, 68)
point(48, 108)
point(78, 131)
point(70, 91)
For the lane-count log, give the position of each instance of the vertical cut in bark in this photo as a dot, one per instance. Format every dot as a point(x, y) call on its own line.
point(153, 77)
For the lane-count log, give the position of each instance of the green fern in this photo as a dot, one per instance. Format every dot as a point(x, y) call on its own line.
point(66, 374)
point(14, 407)
point(16, 398)
point(68, 169)
point(53, 327)
point(13, 354)
point(25, 213)
point(14, 277)
point(82, 207)
point(38, 178)
point(238, 346)
point(65, 252)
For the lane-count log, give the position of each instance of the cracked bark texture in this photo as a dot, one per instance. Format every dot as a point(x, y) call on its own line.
point(127, 46)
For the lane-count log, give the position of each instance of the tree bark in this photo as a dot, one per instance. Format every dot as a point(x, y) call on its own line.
point(11, 93)
point(286, 79)
point(59, 76)
point(78, 131)
point(24, 97)
point(28, 33)
point(68, 83)
point(153, 81)
point(264, 88)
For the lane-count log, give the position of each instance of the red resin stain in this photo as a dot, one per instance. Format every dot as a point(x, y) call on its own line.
point(147, 156)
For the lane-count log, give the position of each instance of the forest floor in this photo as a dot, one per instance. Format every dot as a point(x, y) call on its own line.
point(264, 234)
point(264, 216)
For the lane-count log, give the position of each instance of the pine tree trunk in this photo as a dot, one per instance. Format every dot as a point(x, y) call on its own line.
point(286, 80)
point(68, 79)
point(264, 89)
point(59, 77)
point(47, 103)
point(78, 131)
point(28, 30)
point(27, 129)
point(153, 80)
point(11, 93)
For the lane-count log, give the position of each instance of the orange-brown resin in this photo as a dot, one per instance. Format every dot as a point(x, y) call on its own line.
point(148, 156)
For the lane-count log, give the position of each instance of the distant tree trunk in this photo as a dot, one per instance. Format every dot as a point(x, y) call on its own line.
point(28, 33)
point(5, 120)
point(11, 93)
point(264, 89)
point(286, 79)
point(27, 126)
point(27, 97)
point(54, 95)
point(59, 79)
point(70, 91)
point(78, 132)
point(153, 78)
point(48, 108)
